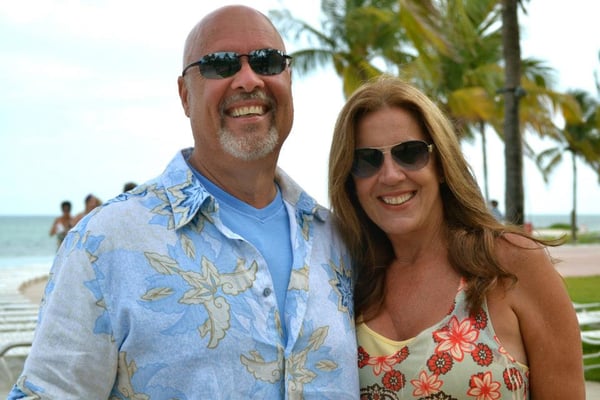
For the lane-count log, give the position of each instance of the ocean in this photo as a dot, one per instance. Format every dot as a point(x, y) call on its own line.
point(24, 240)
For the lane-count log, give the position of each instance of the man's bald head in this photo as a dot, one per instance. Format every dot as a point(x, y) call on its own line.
point(213, 25)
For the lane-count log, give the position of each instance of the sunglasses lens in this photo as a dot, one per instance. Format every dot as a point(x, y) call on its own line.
point(411, 155)
point(227, 63)
point(267, 61)
point(366, 162)
point(219, 65)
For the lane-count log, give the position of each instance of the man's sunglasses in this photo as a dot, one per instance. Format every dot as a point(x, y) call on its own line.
point(411, 155)
point(227, 63)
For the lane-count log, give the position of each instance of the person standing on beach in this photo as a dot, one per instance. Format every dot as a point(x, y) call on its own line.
point(496, 211)
point(90, 202)
point(221, 278)
point(62, 224)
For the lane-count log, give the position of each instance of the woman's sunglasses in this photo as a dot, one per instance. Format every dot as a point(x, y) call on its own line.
point(227, 63)
point(411, 155)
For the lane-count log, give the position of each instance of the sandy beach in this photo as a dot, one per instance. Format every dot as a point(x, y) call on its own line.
point(28, 284)
point(34, 288)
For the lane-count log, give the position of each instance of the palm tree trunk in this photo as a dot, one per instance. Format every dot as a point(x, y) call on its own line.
point(574, 212)
point(513, 149)
point(485, 164)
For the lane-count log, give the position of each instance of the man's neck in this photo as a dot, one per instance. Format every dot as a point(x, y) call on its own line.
point(253, 182)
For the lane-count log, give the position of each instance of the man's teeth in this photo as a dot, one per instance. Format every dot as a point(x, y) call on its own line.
point(396, 200)
point(251, 110)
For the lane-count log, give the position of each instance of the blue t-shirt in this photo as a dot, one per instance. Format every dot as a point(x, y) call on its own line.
point(267, 229)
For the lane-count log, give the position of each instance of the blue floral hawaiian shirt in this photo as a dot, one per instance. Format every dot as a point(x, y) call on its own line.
point(152, 297)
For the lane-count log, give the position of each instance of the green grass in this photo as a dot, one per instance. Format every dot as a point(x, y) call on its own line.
point(588, 238)
point(582, 238)
point(585, 290)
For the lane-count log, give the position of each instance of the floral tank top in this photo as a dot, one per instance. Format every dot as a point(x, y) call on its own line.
point(458, 358)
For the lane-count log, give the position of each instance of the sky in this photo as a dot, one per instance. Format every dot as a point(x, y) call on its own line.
point(88, 99)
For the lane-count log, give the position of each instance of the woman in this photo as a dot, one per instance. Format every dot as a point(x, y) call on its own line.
point(450, 302)
point(62, 224)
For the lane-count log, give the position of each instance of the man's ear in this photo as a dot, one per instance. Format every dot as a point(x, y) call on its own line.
point(183, 95)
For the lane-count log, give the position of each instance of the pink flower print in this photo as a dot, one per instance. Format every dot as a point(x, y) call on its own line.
point(435, 335)
point(383, 363)
point(401, 354)
point(483, 387)
point(480, 319)
point(363, 357)
point(503, 351)
point(513, 379)
point(459, 338)
point(426, 385)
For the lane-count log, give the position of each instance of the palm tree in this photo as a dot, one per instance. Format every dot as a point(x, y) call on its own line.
point(363, 38)
point(464, 82)
point(467, 84)
point(513, 143)
point(581, 137)
point(410, 38)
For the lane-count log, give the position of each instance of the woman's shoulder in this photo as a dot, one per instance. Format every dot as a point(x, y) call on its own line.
point(544, 314)
point(530, 262)
point(520, 254)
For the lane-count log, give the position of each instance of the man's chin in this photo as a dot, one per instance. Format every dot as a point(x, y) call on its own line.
point(249, 148)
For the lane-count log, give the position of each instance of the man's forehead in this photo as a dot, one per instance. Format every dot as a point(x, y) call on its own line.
point(244, 37)
point(238, 29)
point(243, 41)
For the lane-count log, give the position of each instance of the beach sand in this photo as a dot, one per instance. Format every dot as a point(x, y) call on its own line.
point(34, 288)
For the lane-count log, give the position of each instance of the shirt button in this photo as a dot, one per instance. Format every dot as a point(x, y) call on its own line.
point(267, 292)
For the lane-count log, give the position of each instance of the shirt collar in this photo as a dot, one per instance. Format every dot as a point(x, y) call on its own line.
point(187, 195)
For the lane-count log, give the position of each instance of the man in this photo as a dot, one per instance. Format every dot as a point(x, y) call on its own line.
point(220, 279)
point(90, 202)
